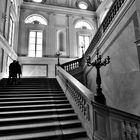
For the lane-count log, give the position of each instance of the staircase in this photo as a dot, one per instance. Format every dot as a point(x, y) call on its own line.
point(37, 108)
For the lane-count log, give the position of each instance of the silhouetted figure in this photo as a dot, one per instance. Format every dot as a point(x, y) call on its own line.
point(18, 70)
point(12, 73)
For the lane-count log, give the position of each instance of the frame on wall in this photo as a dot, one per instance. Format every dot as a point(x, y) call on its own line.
point(34, 70)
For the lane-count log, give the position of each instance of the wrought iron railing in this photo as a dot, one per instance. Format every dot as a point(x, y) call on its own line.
point(114, 10)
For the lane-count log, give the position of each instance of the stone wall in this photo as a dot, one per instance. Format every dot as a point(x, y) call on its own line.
point(120, 79)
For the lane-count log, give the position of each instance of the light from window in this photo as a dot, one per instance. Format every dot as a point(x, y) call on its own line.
point(36, 18)
point(11, 32)
point(35, 44)
point(84, 41)
point(83, 25)
point(83, 5)
point(37, 1)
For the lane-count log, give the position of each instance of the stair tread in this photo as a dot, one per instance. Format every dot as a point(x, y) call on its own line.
point(26, 106)
point(57, 133)
point(30, 101)
point(32, 135)
point(35, 94)
point(37, 108)
point(8, 119)
point(16, 98)
point(55, 123)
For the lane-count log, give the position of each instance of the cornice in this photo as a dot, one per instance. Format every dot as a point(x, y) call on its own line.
point(57, 9)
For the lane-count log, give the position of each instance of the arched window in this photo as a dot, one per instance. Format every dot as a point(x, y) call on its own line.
point(83, 25)
point(35, 39)
point(84, 34)
point(36, 19)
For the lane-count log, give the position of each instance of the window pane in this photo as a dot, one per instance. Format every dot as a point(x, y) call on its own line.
point(35, 44)
point(32, 40)
point(39, 34)
point(31, 47)
point(39, 54)
point(86, 41)
point(39, 47)
point(31, 53)
point(32, 34)
point(81, 41)
point(39, 41)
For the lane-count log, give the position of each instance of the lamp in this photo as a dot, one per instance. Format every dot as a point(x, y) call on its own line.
point(58, 56)
point(98, 63)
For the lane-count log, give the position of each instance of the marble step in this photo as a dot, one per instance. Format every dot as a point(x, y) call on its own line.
point(32, 98)
point(33, 102)
point(39, 126)
point(51, 135)
point(32, 107)
point(9, 120)
point(32, 95)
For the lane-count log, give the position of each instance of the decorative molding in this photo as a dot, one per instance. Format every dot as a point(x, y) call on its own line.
point(57, 9)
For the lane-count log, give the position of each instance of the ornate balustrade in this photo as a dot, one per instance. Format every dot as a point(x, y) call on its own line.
point(113, 124)
point(114, 10)
point(73, 67)
point(101, 122)
point(79, 96)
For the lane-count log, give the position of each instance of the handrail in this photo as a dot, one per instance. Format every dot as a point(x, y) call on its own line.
point(114, 10)
point(99, 121)
point(79, 96)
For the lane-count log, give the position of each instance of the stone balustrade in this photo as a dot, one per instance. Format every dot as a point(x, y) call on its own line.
point(101, 122)
point(73, 66)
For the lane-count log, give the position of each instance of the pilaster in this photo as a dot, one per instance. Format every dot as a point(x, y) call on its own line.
point(70, 37)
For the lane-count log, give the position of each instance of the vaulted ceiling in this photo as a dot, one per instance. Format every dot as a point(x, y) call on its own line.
point(77, 4)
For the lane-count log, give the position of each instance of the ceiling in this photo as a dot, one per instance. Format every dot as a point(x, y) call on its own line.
point(90, 4)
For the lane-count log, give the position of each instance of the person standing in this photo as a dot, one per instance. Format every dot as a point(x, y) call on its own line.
point(18, 70)
point(12, 73)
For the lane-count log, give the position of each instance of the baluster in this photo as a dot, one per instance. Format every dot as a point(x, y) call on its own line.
point(134, 132)
point(138, 126)
point(128, 130)
point(123, 130)
point(77, 64)
point(73, 66)
point(69, 67)
point(87, 112)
